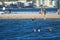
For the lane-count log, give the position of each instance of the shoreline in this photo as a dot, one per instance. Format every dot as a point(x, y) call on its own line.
point(28, 16)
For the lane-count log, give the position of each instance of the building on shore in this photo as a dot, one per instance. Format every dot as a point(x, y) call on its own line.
point(38, 3)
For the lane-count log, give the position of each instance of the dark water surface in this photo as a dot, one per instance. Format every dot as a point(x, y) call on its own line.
point(23, 29)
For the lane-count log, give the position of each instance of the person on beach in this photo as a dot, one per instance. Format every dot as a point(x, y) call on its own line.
point(3, 9)
point(9, 10)
point(41, 11)
point(44, 10)
point(58, 11)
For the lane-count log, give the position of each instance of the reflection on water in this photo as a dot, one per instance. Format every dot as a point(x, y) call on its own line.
point(23, 29)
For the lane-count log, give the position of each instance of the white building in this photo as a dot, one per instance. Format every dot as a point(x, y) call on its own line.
point(48, 3)
point(38, 3)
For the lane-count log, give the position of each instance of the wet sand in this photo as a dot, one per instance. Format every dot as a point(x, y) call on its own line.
point(27, 16)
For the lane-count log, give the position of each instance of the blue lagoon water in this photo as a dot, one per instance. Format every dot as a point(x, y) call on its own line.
point(30, 10)
point(23, 29)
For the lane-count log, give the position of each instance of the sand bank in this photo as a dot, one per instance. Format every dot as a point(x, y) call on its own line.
point(27, 16)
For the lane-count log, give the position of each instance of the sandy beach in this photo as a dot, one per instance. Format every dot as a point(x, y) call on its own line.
point(27, 16)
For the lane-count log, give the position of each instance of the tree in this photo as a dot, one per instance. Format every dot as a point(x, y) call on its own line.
point(2, 2)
